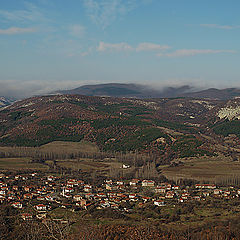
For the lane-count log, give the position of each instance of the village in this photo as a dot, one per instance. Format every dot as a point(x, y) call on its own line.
point(35, 194)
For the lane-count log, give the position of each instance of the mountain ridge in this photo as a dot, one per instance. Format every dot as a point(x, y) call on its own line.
point(145, 91)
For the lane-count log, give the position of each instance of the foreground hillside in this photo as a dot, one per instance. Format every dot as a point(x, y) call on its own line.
point(169, 127)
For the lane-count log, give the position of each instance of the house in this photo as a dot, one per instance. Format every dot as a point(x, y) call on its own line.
point(27, 188)
point(101, 195)
point(108, 187)
point(68, 190)
point(226, 193)
point(28, 196)
point(206, 194)
point(89, 195)
point(134, 182)
point(111, 194)
point(205, 186)
point(80, 182)
point(120, 183)
point(133, 197)
point(15, 188)
point(41, 215)
point(40, 198)
point(87, 206)
point(140, 205)
point(4, 188)
point(181, 200)
point(145, 199)
point(167, 186)
point(148, 183)
point(104, 204)
point(218, 191)
point(185, 195)
point(26, 216)
point(160, 189)
point(169, 194)
point(87, 188)
point(2, 175)
point(108, 181)
point(49, 198)
point(2, 192)
point(17, 205)
point(125, 166)
point(2, 198)
point(40, 191)
point(197, 198)
point(51, 178)
point(77, 198)
point(81, 203)
point(41, 207)
point(159, 203)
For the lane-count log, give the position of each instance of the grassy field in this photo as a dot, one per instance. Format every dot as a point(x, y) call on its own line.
point(83, 164)
point(90, 166)
point(203, 169)
point(55, 147)
point(61, 146)
point(20, 164)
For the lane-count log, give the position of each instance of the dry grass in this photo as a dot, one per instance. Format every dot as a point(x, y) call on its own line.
point(83, 164)
point(203, 169)
point(56, 147)
point(73, 147)
point(20, 164)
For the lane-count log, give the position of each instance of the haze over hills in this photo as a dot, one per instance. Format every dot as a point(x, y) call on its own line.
point(144, 91)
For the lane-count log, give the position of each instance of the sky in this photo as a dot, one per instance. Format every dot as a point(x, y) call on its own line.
point(46, 45)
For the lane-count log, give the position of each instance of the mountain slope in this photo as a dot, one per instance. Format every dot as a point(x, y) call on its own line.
point(5, 101)
point(169, 127)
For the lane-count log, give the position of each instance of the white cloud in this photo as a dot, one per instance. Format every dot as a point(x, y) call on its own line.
point(103, 47)
point(104, 12)
point(77, 30)
point(25, 88)
point(16, 30)
point(227, 27)
point(31, 13)
point(151, 47)
point(193, 52)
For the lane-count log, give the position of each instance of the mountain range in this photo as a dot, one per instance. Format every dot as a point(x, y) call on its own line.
point(170, 127)
point(144, 91)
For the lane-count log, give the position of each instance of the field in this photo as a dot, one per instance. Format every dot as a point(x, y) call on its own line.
point(83, 164)
point(20, 164)
point(58, 147)
point(61, 146)
point(204, 169)
point(103, 168)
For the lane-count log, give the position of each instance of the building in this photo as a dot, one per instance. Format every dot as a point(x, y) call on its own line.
point(148, 183)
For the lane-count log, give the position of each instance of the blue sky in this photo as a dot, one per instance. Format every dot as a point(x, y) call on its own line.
point(57, 44)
